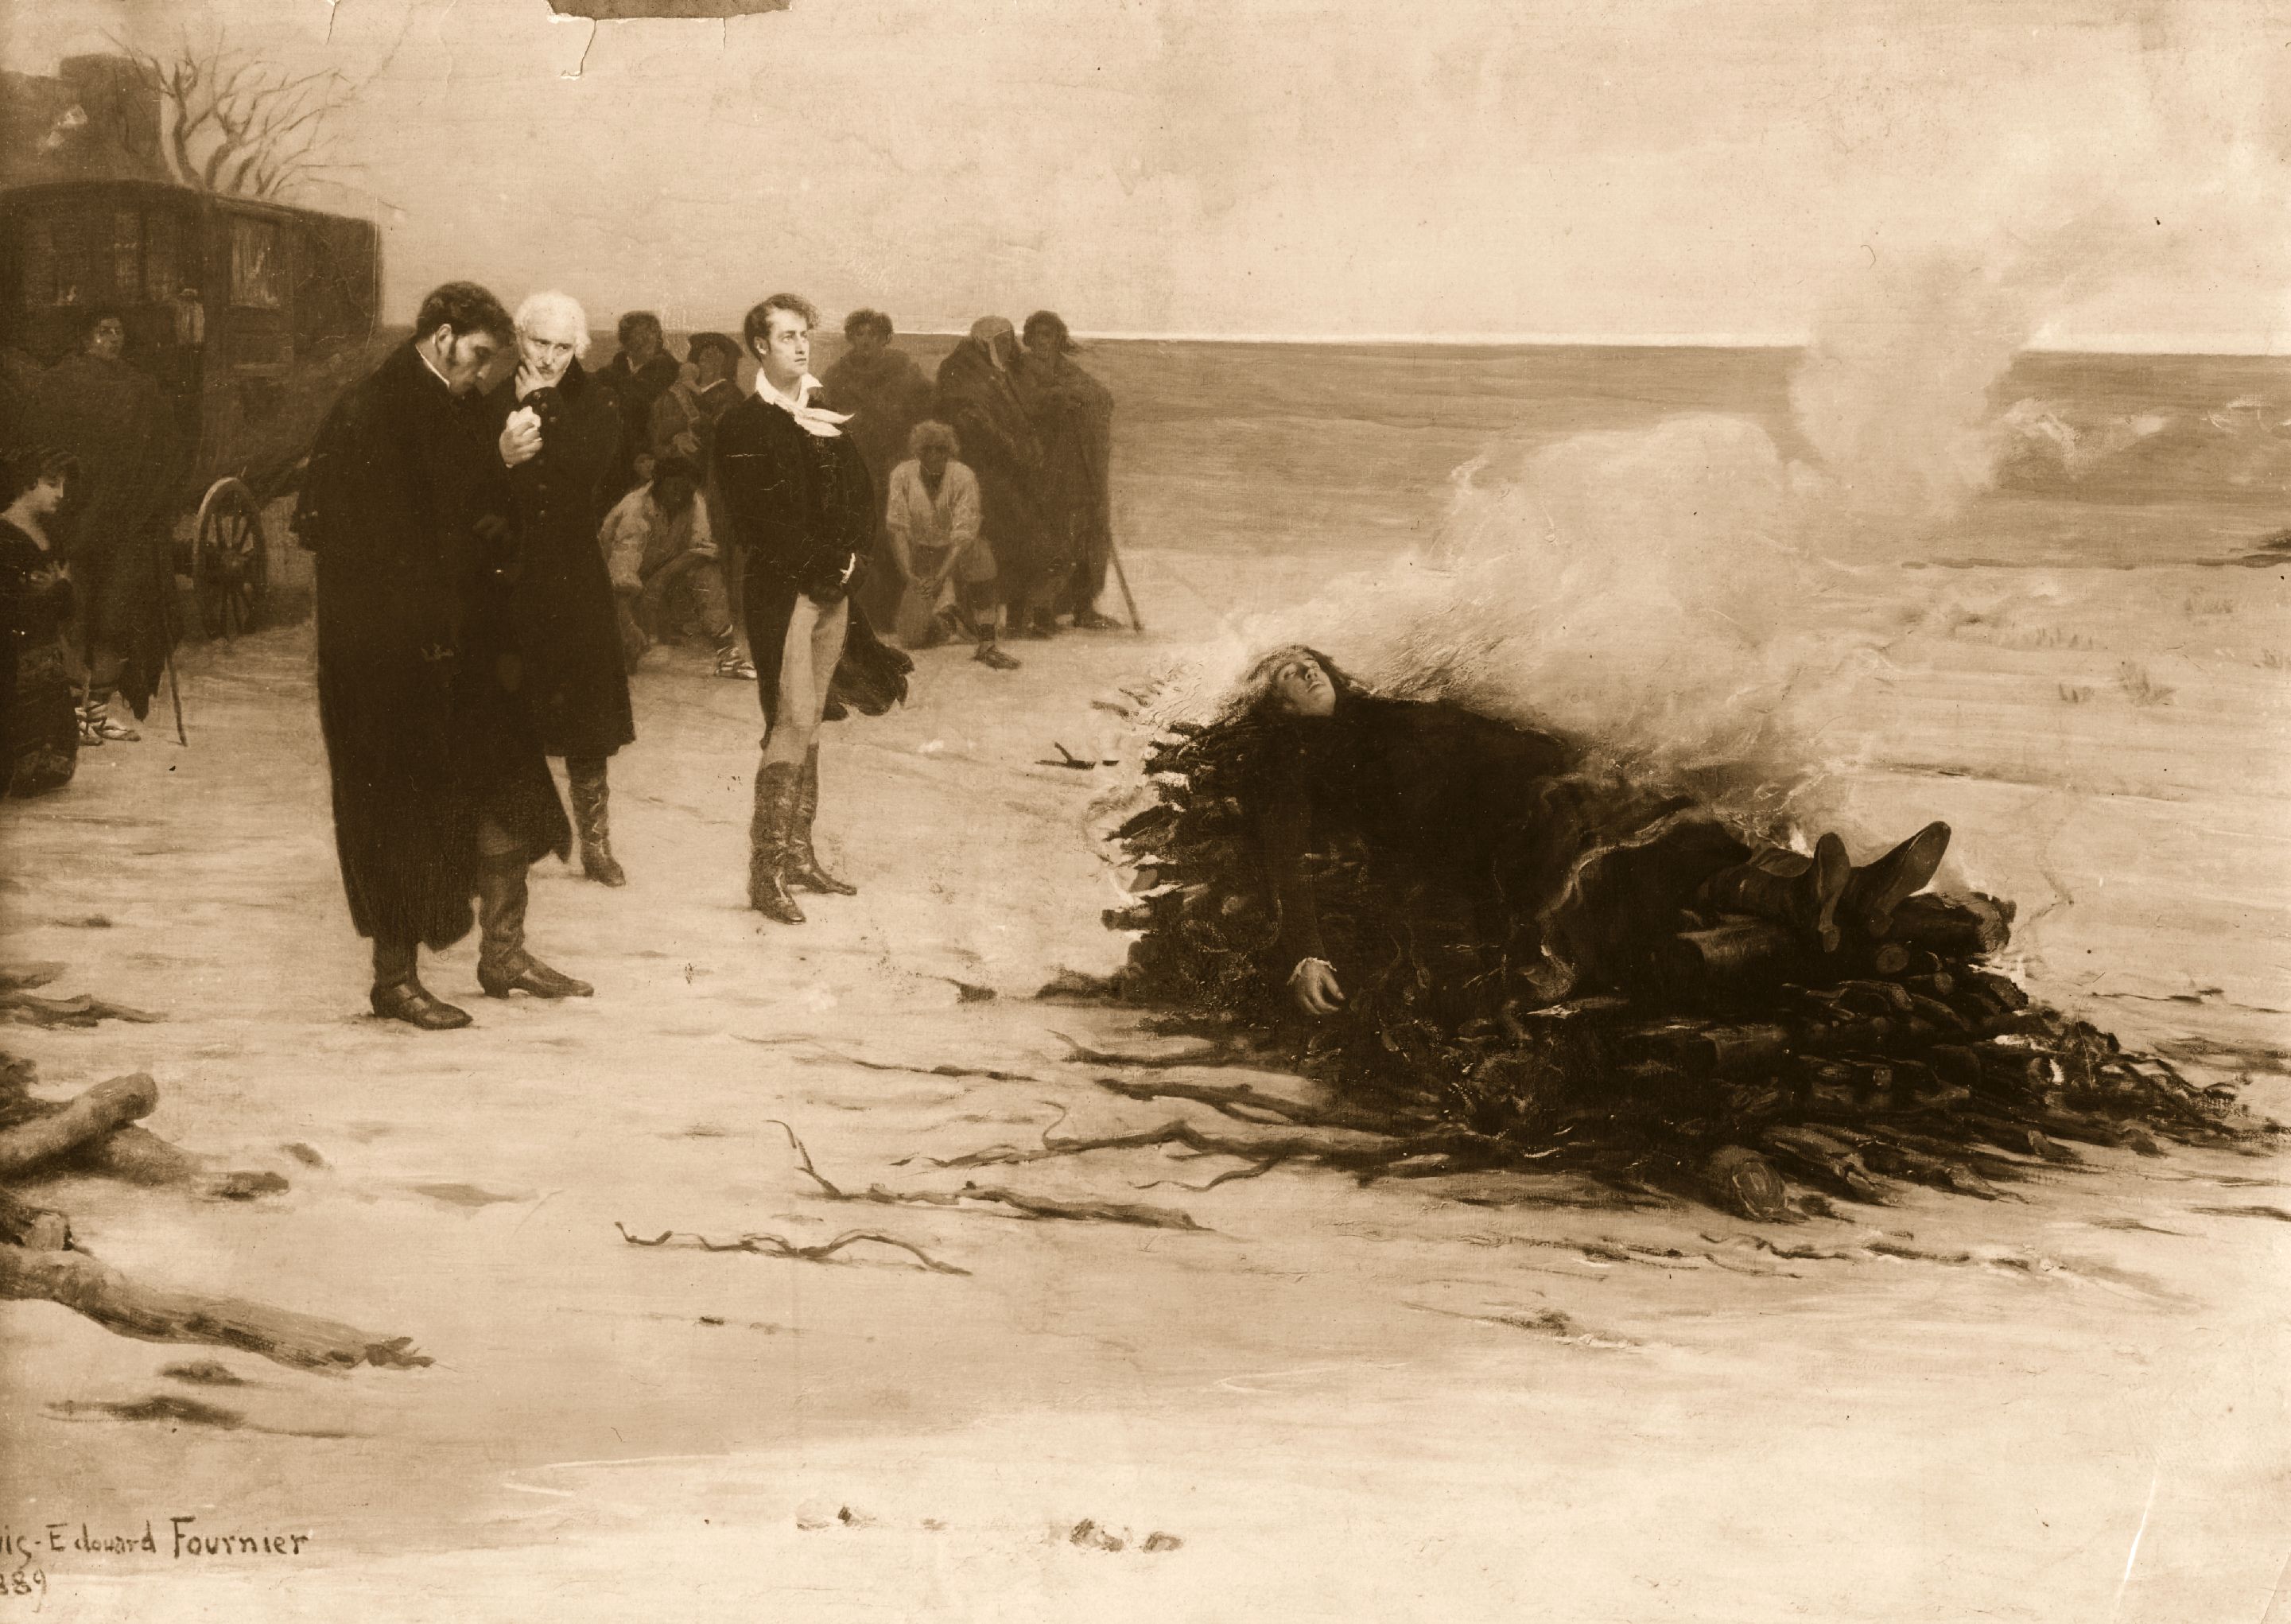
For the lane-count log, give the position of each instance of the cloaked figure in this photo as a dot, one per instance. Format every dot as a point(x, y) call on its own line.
point(1072, 415)
point(979, 397)
point(98, 407)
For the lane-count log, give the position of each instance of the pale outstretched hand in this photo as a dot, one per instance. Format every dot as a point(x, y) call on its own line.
point(1314, 985)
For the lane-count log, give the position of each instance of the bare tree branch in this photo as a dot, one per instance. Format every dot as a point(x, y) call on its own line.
point(235, 124)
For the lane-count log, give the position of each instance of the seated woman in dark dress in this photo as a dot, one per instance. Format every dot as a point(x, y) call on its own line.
point(39, 723)
point(1573, 869)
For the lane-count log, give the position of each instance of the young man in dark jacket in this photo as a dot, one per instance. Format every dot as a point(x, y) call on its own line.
point(800, 508)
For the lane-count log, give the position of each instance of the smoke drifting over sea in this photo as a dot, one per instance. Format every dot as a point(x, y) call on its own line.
point(1694, 597)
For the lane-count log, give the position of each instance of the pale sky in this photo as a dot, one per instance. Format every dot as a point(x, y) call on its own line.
point(1651, 169)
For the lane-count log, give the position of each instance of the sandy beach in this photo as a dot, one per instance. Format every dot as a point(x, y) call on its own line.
point(1455, 1399)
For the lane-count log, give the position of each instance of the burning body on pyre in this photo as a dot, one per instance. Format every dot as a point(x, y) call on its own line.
point(1525, 955)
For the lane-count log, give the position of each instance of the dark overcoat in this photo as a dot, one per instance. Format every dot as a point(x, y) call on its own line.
point(575, 673)
point(405, 506)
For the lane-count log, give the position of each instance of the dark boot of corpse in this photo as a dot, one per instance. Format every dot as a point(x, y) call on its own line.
point(398, 995)
point(779, 785)
point(592, 820)
point(802, 870)
point(1787, 888)
point(1874, 892)
point(504, 966)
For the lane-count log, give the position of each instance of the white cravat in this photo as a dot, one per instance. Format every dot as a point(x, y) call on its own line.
point(815, 420)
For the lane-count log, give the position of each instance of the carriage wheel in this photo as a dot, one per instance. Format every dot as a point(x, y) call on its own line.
point(230, 561)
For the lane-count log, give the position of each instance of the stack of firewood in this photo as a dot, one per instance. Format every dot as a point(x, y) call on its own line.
point(1739, 1064)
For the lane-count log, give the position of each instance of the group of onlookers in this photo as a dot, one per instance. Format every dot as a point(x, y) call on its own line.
point(497, 549)
point(490, 559)
point(991, 483)
point(996, 507)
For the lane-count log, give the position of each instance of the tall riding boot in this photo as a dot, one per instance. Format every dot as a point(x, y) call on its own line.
point(802, 870)
point(592, 820)
point(778, 785)
point(398, 995)
point(503, 965)
point(1787, 888)
point(1874, 892)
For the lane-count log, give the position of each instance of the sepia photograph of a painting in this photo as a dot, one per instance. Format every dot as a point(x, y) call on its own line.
point(1142, 809)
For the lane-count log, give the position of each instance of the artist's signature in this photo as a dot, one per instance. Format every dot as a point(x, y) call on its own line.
point(26, 1554)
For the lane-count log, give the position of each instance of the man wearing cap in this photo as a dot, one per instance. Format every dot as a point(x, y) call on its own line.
point(108, 414)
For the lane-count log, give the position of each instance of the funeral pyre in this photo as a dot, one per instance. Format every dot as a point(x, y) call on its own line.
point(1747, 1071)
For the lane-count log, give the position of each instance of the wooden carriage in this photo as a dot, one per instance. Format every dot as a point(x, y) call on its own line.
point(251, 316)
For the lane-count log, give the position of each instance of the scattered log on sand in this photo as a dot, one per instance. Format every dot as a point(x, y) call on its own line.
point(1012, 1202)
point(96, 1134)
point(73, 1279)
point(22, 977)
point(30, 1009)
point(103, 1108)
point(780, 1246)
point(40, 1260)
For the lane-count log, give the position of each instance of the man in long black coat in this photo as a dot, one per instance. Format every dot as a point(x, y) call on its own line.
point(576, 675)
point(441, 788)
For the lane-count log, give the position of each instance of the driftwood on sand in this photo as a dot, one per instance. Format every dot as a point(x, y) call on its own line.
point(95, 1133)
point(153, 1313)
point(91, 1117)
point(21, 1004)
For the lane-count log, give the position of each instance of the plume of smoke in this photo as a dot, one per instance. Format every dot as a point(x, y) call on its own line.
point(1684, 597)
point(1644, 590)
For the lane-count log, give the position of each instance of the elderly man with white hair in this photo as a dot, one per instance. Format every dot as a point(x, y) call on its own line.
point(558, 435)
